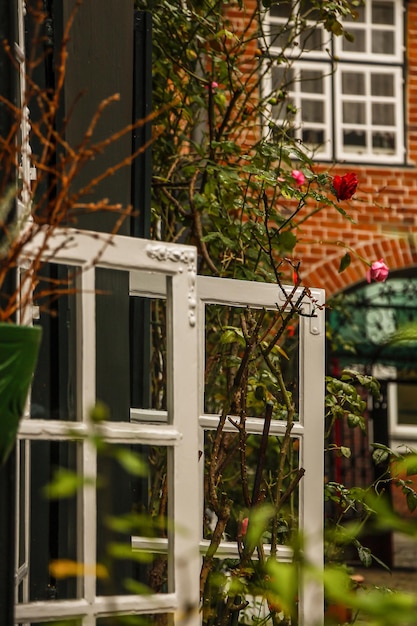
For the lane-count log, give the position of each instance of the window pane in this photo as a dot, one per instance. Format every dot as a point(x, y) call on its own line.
point(311, 39)
point(359, 15)
point(259, 600)
point(279, 35)
point(312, 136)
point(358, 44)
point(353, 83)
point(132, 505)
point(54, 384)
point(282, 78)
point(281, 9)
point(382, 85)
point(354, 113)
point(248, 475)
point(383, 13)
point(354, 139)
point(383, 114)
point(64, 622)
point(161, 619)
point(312, 81)
point(312, 110)
point(53, 521)
point(384, 142)
point(383, 42)
point(225, 349)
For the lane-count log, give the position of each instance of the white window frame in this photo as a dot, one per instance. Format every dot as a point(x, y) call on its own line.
point(177, 265)
point(368, 27)
point(182, 431)
point(366, 154)
point(309, 430)
point(351, 61)
point(296, 95)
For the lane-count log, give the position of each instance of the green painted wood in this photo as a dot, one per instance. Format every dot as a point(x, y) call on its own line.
point(19, 346)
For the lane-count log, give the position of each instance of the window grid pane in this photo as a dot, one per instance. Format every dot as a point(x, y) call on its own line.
point(378, 32)
point(308, 93)
point(352, 111)
point(370, 126)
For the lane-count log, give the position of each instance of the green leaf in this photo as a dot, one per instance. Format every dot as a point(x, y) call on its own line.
point(411, 498)
point(365, 555)
point(125, 551)
point(346, 452)
point(137, 588)
point(283, 585)
point(232, 334)
point(258, 520)
point(131, 462)
point(287, 240)
point(380, 456)
point(65, 484)
point(344, 262)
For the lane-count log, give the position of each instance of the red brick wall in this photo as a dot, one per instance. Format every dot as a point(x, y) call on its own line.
point(385, 209)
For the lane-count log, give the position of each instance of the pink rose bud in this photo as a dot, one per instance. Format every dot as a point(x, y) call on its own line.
point(378, 271)
point(298, 177)
point(213, 86)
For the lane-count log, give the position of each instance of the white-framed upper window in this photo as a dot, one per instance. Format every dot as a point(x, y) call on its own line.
point(355, 111)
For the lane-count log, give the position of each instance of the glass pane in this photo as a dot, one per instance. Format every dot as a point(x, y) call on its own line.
point(383, 13)
point(234, 382)
point(383, 114)
point(312, 81)
point(384, 141)
point(54, 383)
point(407, 404)
point(382, 85)
point(113, 342)
point(132, 504)
point(53, 521)
point(359, 15)
point(313, 136)
point(311, 39)
point(282, 78)
point(359, 41)
point(281, 9)
point(353, 83)
point(64, 622)
point(161, 619)
point(354, 113)
point(312, 111)
point(279, 35)
point(383, 42)
point(148, 353)
point(251, 469)
point(22, 503)
point(354, 138)
point(262, 600)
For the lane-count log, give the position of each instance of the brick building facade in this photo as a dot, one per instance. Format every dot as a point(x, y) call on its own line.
point(385, 207)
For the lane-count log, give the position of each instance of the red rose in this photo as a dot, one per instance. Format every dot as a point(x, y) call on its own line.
point(345, 186)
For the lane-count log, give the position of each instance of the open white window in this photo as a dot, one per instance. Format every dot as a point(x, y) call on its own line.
point(226, 301)
point(85, 591)
point(171, 440)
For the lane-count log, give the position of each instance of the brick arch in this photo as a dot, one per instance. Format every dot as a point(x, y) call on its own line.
point(398, 253)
